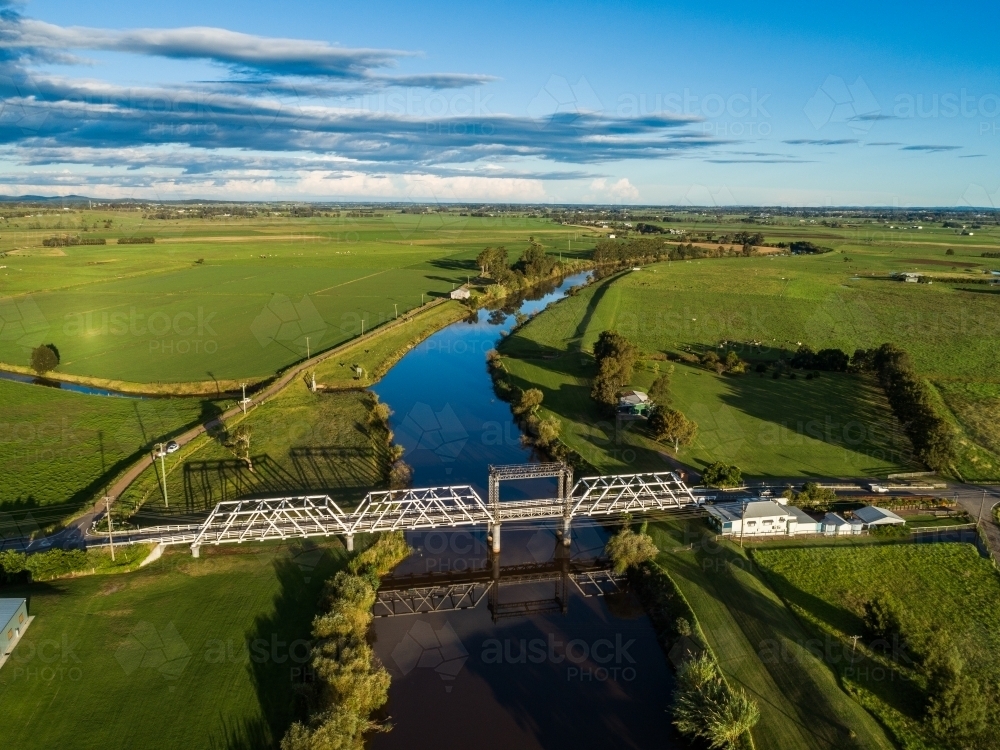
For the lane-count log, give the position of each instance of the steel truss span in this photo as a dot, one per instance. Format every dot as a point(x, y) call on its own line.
point(265, 519)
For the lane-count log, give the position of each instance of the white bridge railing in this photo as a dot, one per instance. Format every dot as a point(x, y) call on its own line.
point(424, 508)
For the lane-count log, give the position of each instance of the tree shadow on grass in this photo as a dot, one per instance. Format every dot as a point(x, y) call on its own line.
point(848, 411)
point(780, 643)
point(278, 648)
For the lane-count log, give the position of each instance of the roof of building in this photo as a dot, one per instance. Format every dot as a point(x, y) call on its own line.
point(633, 398)
point(872, 514)
point(764, 509)
point(800, 515)
point(8, 608)
point(834, 519)
point(754, 509)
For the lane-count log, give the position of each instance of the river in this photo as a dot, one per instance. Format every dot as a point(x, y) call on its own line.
point(546, 664)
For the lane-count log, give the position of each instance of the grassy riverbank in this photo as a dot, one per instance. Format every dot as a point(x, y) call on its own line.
point(204, 651)
point(746, 624)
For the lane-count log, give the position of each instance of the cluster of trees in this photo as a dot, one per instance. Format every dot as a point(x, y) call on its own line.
point(615, 356)
point(828, 360)
point(649, 250)
point(628, 549)
point(534, 263)
point(543, 434)
point(812, 495)
point(804, 247)
point(732, 363)
point(719, 474)
point(990, 255)
point(67, 241)
point(707, 708)
point(351, 683)
point(912, 402)
point(136, 240)
point(400, 473)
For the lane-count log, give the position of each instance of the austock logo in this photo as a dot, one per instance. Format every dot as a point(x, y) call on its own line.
point(22, 322)
point(148, 647)
point(289, 323)
point(441, 431)
point(839, 102)
point(427, 648)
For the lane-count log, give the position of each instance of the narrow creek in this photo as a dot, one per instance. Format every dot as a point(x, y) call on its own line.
point(543, 664)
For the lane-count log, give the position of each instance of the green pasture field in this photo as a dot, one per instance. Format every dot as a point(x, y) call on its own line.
point(58, 449)
point(948, 587)
point(779, 302)
point(801, 703)
point(835, 426)
point(302, 442)
point(223, 300)
point(203, 651)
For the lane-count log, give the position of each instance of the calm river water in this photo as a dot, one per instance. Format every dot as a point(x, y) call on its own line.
point(568, 671)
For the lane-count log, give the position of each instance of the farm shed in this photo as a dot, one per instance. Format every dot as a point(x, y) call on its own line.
point(872, 515)
point(460, 293)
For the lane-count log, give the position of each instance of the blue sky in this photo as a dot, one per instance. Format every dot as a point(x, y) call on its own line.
point(665, 103)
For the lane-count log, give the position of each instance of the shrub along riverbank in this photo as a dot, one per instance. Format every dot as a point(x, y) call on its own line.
point(350, 681)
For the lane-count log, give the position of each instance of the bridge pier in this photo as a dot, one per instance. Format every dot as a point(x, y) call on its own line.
point(496, 539)
point(350, 542)
point(195, 550)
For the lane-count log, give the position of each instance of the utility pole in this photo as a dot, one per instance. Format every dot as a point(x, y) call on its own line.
point(244, 401)
point(307, 347)
point(111, 536)
point(161, 452)
point(395, 311)
point(743, 522)
point(854, 645)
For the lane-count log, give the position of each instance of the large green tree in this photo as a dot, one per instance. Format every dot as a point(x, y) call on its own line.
point(44, 358)
point(616, 356)
point(670, 425)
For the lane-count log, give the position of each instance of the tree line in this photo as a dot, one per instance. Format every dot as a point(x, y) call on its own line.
point(351, 682)
point(912, 402)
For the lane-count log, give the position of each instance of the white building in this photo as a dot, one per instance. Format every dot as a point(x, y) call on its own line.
point(460, 293)
point(762, 518)
point(834, 525)
point(872, 515)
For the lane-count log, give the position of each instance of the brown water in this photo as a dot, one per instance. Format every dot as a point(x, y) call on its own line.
point(542, 664)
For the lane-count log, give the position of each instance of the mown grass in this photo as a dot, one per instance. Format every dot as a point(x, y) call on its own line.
point(154, 313)
point(944, 587)
point(780, 302)
point(302, 442)
point(835, 426)
point(201, 651)
point(746, 624)
point(58, 449)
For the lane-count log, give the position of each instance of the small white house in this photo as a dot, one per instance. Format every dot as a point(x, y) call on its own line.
point(460, 293)
point(872, 515)
point(835, 525)
point(762, 518)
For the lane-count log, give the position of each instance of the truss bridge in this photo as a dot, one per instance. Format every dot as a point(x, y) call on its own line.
point(263, 519)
